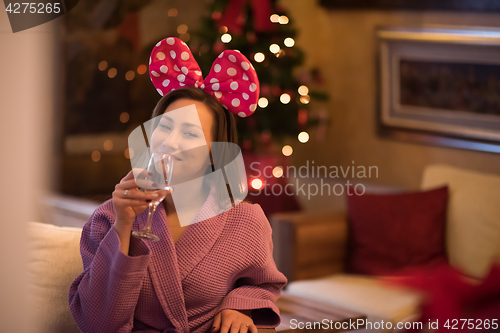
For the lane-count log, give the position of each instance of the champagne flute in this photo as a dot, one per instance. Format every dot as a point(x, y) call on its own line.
point(155, 177)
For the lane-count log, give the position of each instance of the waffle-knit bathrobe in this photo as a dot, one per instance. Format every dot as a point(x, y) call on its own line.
point(222, 262)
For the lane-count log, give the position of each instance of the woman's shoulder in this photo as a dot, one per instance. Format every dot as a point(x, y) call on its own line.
point(248, 215)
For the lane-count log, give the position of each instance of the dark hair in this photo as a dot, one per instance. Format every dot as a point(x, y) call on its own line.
point(223, 130)
point(224, 125)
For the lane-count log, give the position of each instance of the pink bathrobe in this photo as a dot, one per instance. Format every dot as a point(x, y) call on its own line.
point(223, 262)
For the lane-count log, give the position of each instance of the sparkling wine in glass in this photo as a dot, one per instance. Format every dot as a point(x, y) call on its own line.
point(155, 177)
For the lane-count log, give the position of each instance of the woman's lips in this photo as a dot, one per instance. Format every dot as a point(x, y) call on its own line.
point(174, 157)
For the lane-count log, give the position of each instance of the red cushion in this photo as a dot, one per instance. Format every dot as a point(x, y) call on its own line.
point(392, 232)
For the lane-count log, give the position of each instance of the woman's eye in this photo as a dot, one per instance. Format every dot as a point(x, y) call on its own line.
point(192, 134)
point(165, 127)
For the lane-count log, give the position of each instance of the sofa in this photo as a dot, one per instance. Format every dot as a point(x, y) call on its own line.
point(310, 248)
point(54, 262)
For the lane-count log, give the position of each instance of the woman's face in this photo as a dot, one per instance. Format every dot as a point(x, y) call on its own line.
point(185, 132)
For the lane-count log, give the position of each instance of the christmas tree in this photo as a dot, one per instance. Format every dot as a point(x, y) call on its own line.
point(263, 32)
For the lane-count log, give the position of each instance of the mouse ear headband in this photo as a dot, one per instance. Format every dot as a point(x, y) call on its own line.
point(232, 78)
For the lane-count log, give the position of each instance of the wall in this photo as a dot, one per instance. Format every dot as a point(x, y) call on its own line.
point(27, 103)
point(347, 60)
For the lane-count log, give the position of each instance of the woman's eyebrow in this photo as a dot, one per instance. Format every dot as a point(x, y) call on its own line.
point(184, 124)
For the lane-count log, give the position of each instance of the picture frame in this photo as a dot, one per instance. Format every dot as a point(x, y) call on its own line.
point(440, 86)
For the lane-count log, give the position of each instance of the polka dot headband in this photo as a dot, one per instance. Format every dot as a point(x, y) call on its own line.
point(232, 78)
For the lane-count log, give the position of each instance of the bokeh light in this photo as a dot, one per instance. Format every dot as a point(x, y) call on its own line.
point(303, 137)
point(305, 99)
point(124, 117)
point(172, 12)
point(112, 72)
point(275, 18)
point(142, 69)
point(182, 29)
point(129, 76)
point(274, 48)
point(226, 38)
point(283, 19)
point(96, 156)
point(303, 90)
point(259, 57)
point(257, 183)
point(289, 42)
point(287, 150)
point(103, 65)
point(278, 172)
point(108, 145)
point(285, 98)
point(263, 102)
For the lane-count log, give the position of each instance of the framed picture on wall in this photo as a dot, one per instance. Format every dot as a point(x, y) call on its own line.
point(440, 86)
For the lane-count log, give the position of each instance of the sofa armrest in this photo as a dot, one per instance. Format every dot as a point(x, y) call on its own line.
point(309, 245)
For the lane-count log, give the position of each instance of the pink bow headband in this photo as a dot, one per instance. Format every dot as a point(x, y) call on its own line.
point(232, 78)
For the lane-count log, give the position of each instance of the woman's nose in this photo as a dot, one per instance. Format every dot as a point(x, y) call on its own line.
point(172, 141)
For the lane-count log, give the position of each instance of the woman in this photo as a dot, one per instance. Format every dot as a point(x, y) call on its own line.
point(214, 275)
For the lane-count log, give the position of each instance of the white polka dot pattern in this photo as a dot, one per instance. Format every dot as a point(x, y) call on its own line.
point(232, 78)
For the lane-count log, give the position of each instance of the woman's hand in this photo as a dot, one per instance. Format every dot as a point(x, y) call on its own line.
point(233, 321)
point(129, 202)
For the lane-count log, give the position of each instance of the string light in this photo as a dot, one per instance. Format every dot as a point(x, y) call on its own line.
point(182, 29)
point(305, 99)
point(124, 117)
point(103, 65)
point(223, 29)
point(172, 12)
point(216, 15)
point(285, 98)
point(275, 18)
point(283, 19)
point(185, 37)
point(263, 102)
point(274, 48)
point(287, 150)
point(108, 145)
point(226, 38)
point(141, 69)
point(112, 72)
point(257, 183)
point(129, 153)
point(303, 90)
point(129, 76)
point(289, 42)
point(303, 137)
point(259, 57)
point(277, 172)
point(96, 156)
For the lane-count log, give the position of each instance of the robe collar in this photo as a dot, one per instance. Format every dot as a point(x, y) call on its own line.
point(182, 257)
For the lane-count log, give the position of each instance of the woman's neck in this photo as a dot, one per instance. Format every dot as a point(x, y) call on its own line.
point(186, 199)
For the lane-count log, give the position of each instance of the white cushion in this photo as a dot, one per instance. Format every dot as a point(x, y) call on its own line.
point(54, 263)
point(473, 223)
point(367, 295)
